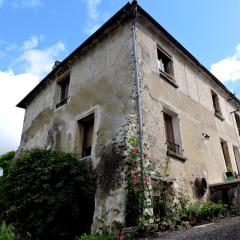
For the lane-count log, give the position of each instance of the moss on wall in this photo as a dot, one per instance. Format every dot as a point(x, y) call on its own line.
point(110, 168)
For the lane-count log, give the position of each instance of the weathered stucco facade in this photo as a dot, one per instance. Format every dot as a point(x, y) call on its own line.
point(190, 100)
point(102, 83)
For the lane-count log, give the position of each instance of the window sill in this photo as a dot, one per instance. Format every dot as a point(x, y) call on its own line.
point(176, 155)
point(168, 78)
point(219, 116)
point(86, 158)
point(61, 103)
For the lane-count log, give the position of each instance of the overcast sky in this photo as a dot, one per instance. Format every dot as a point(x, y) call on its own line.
point(35, 33)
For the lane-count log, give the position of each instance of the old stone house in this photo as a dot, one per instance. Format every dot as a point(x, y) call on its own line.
point(131, 77)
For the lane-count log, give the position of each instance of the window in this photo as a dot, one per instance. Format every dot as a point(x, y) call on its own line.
point(164, 62)
point(216, 105)
point(165, 66)
point(86, 127)
point(237, 118)
point(226, 155)
point(63, 91)
point(172, 131)
point(169, 132)
point(237, 157)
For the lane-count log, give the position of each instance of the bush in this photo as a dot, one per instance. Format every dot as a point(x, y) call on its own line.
point(96, 237)
point(5, 160)
point(49, 195)
point(6, 232)
point(204, 212)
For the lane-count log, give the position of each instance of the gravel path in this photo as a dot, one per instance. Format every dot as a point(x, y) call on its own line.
point(227, 229)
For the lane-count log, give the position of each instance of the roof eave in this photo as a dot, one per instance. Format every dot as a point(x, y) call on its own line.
point(23, 103)
point(185, 51)
point(125, 9)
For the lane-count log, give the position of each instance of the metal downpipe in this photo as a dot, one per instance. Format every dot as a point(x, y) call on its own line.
point(138, 88)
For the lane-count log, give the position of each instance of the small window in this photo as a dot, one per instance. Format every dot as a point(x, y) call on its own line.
point(63, 91)
point(226, 155)
point(237, 118)
point(237, 157)
point(216, 105)
point(86, 127)
point(165, 63)
point(172, 131)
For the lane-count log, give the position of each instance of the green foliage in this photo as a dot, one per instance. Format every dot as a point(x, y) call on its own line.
point(5, 160)
point(151, 198)
point(49, 195)
point(6, 232)
point(198, 213)
point(140, 202)
point(134, 187)
point(96, 237)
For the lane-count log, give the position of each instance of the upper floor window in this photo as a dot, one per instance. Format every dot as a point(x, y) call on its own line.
point(165, 66)
point(63, 91)
point(164, 62)
point(170, 133)
point(237, 118)
point(216, 105)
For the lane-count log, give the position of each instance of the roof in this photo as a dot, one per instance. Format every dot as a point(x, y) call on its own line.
point(124, 13)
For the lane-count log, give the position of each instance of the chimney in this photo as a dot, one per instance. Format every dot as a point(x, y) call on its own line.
point(56, 64)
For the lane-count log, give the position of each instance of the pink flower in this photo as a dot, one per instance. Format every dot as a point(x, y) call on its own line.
point(122, 237)
point(135, 179)
point(135, 149)
point(155, 183)
point(146, 179)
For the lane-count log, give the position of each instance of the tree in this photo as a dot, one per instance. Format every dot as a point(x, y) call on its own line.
point(49, 195)
point(5, 160)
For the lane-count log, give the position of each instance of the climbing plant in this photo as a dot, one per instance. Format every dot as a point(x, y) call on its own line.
point(141, 205)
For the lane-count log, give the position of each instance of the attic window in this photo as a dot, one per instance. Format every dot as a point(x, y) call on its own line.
point(165, 66)
point(63, 91)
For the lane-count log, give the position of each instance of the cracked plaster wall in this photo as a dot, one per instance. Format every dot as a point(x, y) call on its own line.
point(102, 80)
point(192, 102)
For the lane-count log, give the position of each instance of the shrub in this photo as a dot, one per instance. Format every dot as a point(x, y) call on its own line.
point(49, 195)
point(5, 160)
point(96, 237)
point(204, 212)
point(6, 232)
